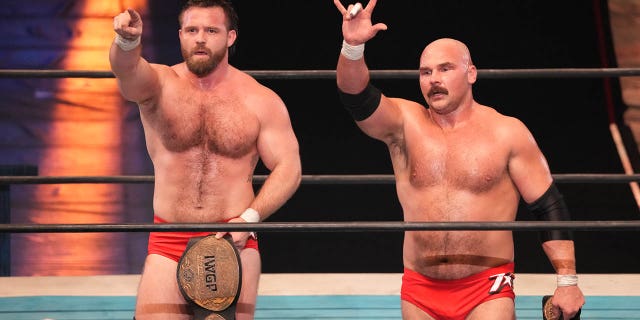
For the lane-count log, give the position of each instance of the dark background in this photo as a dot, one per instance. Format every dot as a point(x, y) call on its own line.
point(569, 117)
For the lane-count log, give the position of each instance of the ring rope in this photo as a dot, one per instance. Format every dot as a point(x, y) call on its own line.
point(306, 179)
point(368, 226)
point(376, 74)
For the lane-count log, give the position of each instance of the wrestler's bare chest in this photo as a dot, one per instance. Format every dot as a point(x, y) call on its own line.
point(469, 160)
point(212, 121)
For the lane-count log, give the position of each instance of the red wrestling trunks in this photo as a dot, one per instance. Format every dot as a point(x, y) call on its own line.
point(454, 299)
point(173, 244)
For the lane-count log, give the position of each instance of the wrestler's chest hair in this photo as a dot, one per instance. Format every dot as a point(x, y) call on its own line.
point(219, 124)
point(472, 159)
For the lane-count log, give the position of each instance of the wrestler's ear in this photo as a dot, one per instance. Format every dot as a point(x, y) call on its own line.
point(472, 74)
point(232, 35)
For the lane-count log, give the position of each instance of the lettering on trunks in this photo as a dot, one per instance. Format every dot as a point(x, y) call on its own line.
point(210, 272)
point(501, 280)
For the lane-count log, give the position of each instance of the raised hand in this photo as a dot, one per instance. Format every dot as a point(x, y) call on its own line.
point(357, 28)
point(128, 24)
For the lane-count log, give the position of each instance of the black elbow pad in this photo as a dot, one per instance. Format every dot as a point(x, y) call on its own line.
point(363, 104)
point(551, 207)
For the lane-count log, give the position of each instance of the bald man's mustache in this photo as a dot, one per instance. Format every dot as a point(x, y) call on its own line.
point(437, 90)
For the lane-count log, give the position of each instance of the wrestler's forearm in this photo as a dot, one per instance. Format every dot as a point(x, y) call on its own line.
point(137, 80)
point(352, 76)
point(279, 186)
point(123, 63)
point(561, 254)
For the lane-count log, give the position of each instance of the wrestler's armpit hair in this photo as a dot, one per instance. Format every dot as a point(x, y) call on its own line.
point(363, 104)
point(551, 207)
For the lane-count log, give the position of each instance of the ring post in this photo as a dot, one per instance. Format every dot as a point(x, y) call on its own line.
point(5, 211)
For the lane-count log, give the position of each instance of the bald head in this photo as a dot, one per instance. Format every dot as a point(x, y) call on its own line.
point(447, 49)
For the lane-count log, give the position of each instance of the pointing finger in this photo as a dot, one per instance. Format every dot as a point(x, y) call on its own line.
point(135, 16)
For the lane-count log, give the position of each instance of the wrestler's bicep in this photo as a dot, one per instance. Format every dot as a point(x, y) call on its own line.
point(528, 166)
point(386, 121)
point(277, 142)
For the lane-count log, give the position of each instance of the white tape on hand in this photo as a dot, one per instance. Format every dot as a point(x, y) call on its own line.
point(250, 215)
point(126, 44)
point(356, 8)
point(352, 52)
point(567, 280)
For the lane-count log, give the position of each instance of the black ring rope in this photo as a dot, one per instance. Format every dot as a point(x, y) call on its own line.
point(306, 179)
point(376, 74)
point(357, 226)
point(329, 179)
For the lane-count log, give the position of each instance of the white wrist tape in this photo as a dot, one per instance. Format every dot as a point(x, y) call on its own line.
point(352, 52)
point(126, 44)
point(567, 280)
point(356, 8)
point(250, 215)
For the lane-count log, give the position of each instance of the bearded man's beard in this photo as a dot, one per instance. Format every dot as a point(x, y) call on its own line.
point(202, 67)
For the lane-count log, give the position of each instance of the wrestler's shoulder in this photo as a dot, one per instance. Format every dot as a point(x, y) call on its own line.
point(407, 106)
point(167, 70)
point(252, 88)
point(492, 114)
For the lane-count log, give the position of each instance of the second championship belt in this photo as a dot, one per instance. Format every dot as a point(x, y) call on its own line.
point(210, 277)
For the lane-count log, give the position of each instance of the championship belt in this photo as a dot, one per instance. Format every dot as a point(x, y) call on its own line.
point(551, 313)
point(210, 277)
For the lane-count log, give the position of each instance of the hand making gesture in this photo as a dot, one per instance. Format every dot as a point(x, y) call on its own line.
point(356, 22)
point(128, 27)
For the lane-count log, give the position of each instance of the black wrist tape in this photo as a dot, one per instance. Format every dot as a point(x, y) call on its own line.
point(551, 207)
point(363, 104)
